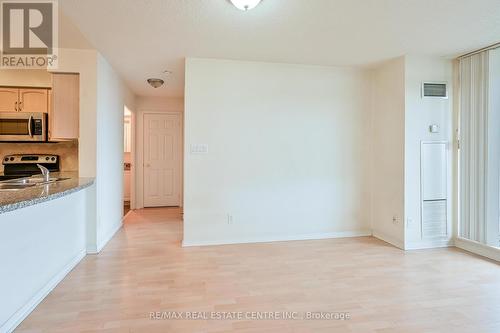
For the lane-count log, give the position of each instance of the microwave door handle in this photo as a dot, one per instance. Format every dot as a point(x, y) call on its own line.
point(30, 122)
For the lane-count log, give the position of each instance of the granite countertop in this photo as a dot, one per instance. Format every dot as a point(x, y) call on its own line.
point(15, 199)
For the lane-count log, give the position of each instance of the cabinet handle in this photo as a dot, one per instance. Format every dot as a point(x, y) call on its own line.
point(20, 106)
point(15, 106)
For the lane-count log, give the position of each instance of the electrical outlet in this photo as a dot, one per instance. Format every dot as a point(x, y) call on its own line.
point(229, 219)
point(395, 219)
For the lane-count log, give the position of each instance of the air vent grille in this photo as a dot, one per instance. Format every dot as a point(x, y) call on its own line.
point(433, 89)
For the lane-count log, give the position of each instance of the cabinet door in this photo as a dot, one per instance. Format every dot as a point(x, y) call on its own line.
point(65, 111)
point(9, 99)
point(33, 100)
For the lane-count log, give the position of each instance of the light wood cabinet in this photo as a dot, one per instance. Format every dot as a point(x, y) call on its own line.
point(24, 99)
point(33, 100)
point(9, 98)
point(64, 114)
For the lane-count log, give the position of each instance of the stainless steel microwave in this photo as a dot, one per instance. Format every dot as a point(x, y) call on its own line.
point(23, 126)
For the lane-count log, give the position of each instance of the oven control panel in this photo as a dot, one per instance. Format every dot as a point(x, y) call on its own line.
point(30, 159)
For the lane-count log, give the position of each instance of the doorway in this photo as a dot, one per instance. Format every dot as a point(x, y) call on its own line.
point(128, 157)
point(162, 159)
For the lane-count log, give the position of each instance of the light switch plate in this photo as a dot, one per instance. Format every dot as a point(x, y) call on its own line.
point(434, 128)
point(199, 148)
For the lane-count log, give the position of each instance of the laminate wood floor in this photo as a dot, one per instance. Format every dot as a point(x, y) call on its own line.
point(144, 269)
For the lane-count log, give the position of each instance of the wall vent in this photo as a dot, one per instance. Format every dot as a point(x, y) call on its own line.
point(434, 219)
point(435, 89)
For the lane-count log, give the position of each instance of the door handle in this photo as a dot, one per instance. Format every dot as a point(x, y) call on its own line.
point(148, 165)
point(30, 121)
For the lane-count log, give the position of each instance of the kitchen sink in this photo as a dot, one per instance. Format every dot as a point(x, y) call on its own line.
point(13, 187)
point(32, 180)
point(21, 183)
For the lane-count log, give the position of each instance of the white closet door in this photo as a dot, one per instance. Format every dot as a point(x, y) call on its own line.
point(162, 160)
point(434, 171)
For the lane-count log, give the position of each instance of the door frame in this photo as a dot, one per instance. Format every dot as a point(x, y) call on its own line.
point(139, 193)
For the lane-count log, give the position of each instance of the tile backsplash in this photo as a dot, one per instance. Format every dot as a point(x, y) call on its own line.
point(68, 152)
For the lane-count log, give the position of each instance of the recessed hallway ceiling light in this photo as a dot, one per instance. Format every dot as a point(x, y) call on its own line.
point(156, 83)
point(245, 4)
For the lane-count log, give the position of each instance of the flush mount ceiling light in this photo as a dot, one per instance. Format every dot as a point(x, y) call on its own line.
point(155, 83)
point(245, 4)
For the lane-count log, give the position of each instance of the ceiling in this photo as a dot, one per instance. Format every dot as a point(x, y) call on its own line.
point(141, 38)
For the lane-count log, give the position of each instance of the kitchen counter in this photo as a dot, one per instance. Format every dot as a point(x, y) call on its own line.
point(15, 199)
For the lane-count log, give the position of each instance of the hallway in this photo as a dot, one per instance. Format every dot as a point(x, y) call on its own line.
point(144, 269)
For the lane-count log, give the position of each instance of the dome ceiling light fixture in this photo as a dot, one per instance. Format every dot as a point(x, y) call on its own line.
point(155, 83)
point(245, 4)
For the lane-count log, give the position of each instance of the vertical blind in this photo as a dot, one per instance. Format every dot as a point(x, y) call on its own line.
point(474, 102)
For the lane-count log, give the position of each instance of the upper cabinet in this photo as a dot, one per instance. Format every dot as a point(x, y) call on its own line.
point(64, 113)
point(61, 102)
point(33, 100)
point(24, 100)
point(9, 98)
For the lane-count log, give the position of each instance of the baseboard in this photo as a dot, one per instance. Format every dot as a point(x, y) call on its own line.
point(389, 239)
point(316, 236)
point(125, 216)
point(22, 313)
point(108, 237)
point(478, 248)
point(429, 244)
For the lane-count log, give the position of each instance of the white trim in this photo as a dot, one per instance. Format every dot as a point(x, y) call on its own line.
point(317, 236)
point(429, 244)
point(478, 248)
point(101, 244)
point(109, 236)
point(125, 216)
point(388, 239)
point(133, 172)
point(23, 312)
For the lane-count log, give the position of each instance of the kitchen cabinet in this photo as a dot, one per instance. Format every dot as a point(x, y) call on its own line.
point(24, 99)
point(64, 113)
point(33, 100)
point(8, 99)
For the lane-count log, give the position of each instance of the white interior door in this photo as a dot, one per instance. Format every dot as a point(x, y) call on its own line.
point(162, 158)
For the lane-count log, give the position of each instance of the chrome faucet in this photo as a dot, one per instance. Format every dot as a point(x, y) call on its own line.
point(45, 172)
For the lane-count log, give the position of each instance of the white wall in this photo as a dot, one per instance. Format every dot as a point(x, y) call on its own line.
point(387, 172)
point(39, 245)
point(288, 152)
point(420, 113)
point(152, 103)
point(112, 96)
point(100, 146)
